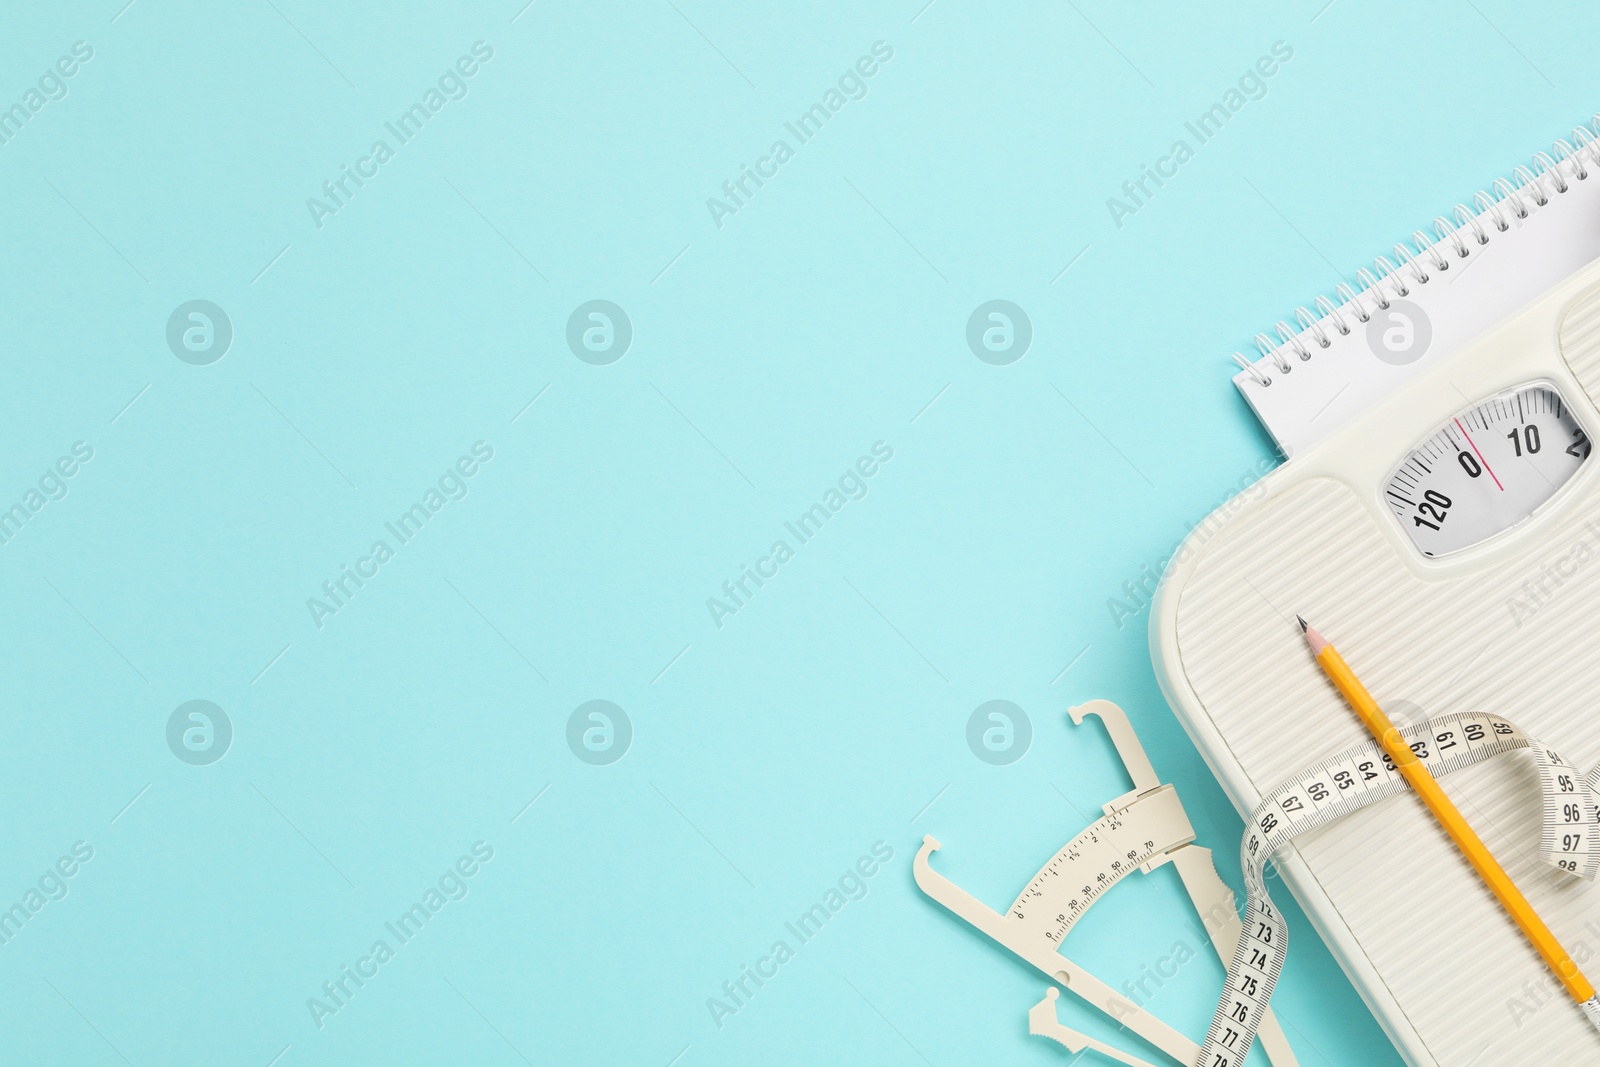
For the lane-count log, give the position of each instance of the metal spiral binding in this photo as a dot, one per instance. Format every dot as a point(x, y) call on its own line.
point(1527, 190)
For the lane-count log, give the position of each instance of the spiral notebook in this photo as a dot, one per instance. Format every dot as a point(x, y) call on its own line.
point(1402, 385)
point(1441, 288)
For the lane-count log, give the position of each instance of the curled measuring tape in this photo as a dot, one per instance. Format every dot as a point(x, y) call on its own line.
point(1354, 779)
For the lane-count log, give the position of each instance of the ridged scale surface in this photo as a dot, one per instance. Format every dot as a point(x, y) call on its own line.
point(1468, 982)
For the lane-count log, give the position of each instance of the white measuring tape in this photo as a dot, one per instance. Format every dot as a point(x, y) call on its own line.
point(1352, 780)
point(1147, 828)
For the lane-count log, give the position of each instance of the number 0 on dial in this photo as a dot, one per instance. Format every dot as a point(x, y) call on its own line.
point(1487, 469)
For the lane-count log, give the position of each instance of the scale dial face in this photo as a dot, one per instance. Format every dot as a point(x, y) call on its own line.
point(1487, 469)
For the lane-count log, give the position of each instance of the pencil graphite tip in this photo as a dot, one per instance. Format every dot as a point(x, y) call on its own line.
point(1304, 626)
point(1314, 639)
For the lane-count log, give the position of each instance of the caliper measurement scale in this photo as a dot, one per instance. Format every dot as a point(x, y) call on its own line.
point(1097, 850)
point(1140, 831)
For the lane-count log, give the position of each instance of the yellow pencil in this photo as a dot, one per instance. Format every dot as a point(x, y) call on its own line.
point(1433, 795)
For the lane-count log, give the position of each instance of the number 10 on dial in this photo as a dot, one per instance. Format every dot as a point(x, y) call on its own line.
point(1487, 469)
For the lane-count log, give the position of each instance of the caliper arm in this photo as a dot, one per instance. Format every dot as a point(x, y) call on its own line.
point(1043, 1022)
point(1053, 964)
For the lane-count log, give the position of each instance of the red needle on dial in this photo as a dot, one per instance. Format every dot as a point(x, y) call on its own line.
point(1485, 462)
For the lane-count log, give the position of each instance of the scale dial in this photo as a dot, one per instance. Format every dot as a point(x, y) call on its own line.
point(1487, 469)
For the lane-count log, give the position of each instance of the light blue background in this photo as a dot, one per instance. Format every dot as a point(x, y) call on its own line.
point(767, 356)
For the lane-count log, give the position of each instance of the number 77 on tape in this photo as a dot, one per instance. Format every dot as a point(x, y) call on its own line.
point(1141, 830)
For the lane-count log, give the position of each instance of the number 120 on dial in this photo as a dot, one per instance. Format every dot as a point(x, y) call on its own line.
point(1487, 469)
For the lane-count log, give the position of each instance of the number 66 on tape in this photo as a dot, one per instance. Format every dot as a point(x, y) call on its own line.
point(1141, 830)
